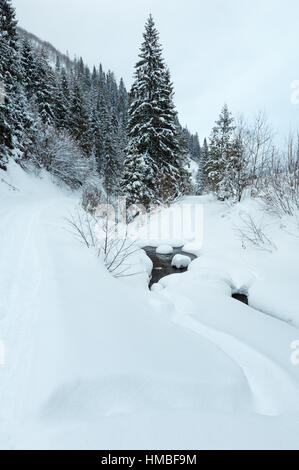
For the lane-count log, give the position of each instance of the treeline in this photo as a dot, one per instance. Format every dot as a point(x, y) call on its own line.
point(242, 159)
point(83, 127)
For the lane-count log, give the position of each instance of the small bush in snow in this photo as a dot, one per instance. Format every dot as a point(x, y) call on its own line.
point(98, 233)
point(66, 161)
point(59, 153)
point(281, 192)
point(252, 233)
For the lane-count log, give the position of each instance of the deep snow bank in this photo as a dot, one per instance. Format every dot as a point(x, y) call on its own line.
point(81, 345)
point(94, 362)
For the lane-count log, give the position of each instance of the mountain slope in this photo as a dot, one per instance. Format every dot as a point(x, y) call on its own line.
point(52, 52)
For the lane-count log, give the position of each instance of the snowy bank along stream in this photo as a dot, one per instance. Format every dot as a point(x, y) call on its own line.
point(162, 263)
point(163, 266)
point(97, 362)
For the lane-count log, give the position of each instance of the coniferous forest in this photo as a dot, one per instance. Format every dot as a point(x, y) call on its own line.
point(84, 127)
point(88, 131)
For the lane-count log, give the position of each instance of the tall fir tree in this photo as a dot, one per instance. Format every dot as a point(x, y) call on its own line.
point(45, 89)
point(9, 77)
point(220, 149)
point(80, 121)
point(235, 177)
point(61, 100)
point(195, 148)
point(110, 170)
point(28, 62)
point(152, 125)
point(139, 171)
point(201, 183)
point(123, 102)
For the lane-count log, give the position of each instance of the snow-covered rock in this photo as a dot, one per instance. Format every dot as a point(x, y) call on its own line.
point(181, 261)
point(164, 250)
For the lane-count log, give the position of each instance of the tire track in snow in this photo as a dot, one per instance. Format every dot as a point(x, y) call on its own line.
point(19, 284)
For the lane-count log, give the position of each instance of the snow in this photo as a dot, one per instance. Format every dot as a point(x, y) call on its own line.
point(156, 287)
point(192, 167)
point(164, 250)
point(92, 362)
point(181, 261)
point(180, 224)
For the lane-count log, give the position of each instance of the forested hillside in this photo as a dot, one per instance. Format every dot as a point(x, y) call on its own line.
point(59, 115)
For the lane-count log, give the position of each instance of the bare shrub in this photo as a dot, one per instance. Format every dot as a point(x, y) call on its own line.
point(261, 151)
point(253, 233)
point(59, 153)
point(248, 163)
point(281, 186)
point(99, 233)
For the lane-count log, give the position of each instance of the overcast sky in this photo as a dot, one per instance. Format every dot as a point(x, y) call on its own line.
point(243, 52)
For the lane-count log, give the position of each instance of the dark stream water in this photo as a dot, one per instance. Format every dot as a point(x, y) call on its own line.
point(241, 297)
point(162, 263)
point(162, 267)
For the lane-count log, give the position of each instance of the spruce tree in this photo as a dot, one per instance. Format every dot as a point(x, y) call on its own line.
point(80, 121)
point(96, 136)
point(152, 125)
point(201, 183)
point(6, 140)
point(110, 159)
point(195, 148)
point(30, 73)
point(9, 76)
point(235, 177)
point(61, 102)
point(139, 170)
point(220, 149)
point(45, 89)
point(123, 102)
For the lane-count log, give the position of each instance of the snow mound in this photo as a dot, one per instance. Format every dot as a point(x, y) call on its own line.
point(156, 287)
point(164, 250)
point(181, 261)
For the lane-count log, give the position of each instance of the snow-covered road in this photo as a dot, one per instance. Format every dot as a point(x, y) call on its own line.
point(23, 278)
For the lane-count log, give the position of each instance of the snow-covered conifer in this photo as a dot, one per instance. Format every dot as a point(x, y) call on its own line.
point(220, 149)
point(137, 178)
point(9, 76)
point(80, 120)
point(201, 183)
point(152, 124)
